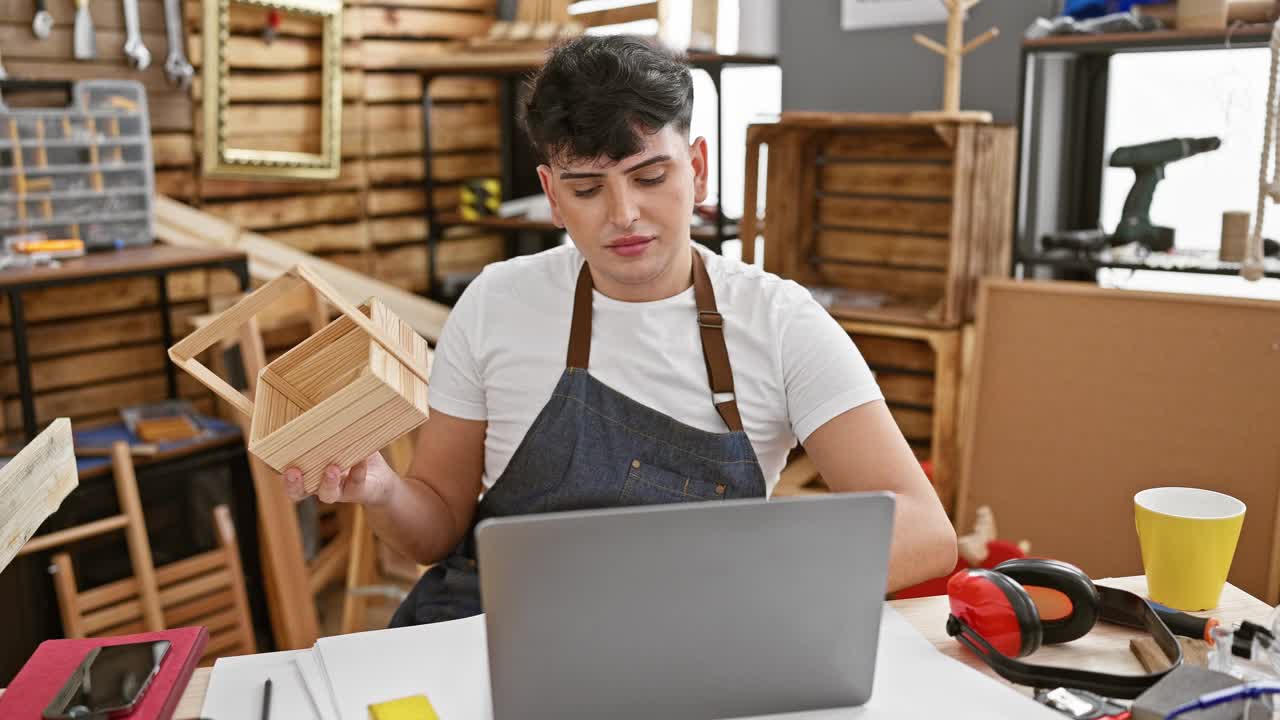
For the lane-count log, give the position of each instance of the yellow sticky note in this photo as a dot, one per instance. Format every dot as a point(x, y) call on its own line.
point(414, 707)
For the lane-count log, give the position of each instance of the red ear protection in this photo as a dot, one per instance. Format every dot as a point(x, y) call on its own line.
point(1008, 612)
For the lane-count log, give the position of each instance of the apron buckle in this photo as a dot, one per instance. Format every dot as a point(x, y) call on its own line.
point(716, 322)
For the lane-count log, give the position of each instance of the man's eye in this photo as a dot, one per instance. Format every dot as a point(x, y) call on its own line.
point(652, 180)
point(586, 193)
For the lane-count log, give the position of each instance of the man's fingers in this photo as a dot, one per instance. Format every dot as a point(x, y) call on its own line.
point(331, 485)
point(355, 477)
point(293, 484)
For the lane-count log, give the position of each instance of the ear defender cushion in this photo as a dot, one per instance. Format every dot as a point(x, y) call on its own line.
point(997, 608)
point(1065, 599)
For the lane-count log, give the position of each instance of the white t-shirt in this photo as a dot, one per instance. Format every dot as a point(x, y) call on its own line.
point(504, 344)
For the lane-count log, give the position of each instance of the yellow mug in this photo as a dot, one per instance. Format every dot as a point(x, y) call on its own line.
point(1188, 537)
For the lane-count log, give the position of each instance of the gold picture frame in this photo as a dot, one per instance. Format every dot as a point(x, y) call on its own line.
point(220, 158)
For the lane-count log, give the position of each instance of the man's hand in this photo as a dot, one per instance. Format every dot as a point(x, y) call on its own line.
point(368, 483)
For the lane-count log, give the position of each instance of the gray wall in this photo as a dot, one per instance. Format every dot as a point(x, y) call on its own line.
point(884, 70)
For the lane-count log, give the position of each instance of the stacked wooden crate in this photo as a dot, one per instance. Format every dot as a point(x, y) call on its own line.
point(98, 347)
point(891, 221)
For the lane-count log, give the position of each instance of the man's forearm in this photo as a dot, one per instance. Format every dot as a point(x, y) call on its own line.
point(924, 543)
point(417, 522)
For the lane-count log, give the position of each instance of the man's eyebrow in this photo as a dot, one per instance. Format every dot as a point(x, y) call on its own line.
point(584, 175)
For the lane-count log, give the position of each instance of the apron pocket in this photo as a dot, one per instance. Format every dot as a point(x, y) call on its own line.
point(649, 484)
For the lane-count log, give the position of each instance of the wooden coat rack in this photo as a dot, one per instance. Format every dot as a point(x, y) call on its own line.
point(953, 53)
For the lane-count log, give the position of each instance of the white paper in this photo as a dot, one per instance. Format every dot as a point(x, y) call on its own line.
point(236, 688)
point(316, 684)
point(867, 14)
point(448, 663)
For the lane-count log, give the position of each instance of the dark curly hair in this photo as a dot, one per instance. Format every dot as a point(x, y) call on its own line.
point(597, 94)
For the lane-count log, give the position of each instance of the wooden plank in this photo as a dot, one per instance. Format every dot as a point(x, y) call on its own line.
point(153, 78)
point(53, 303)
point(352, 146)
point(324, 238)
point(395, 230)
point(178, 183)
point(395, 86)
point(283, 212)
point(304, 119)
point(380, 202)
point(170, 112)
point(618, 15)
point(284, 86)
point(861, 213)
point(444, 118)
point(888, 353)
point(908, 388)
point(386, 143)
point(399, 22)
point(283, 53)
point(250, 20)
point(102, 398)
point(928, 285)
point(105, 16)
point(352, 176)
point(920, 251)
point(991, 212)
point(923, 180)
point(904, 144)
point(388, 54)
point(33, 484)
point(72, 334)
point(87, 367)
point(915, 424)
point(444, 168)
point(172, 150)
point(19, 44)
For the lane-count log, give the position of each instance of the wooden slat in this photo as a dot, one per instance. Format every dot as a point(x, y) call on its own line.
point(906, 388)
point(33, 485)
point(391, 231)
point(222, 642)
point(94, 333)
point(105, 397)
point(292, 86)
point(887, 352)
point(106, 296)
point(385, 143)
point(181, 592)
point(324, 238)
point(96, 622)
point(921, 251)
point(284, 53)
point(177, 183)
point(922, 144)
point(410, 22)
point(19, 43)
point(185, 613)
point(380, 87)
point(186, 568)
point(86, 368)
point(304, 119)
point(445, 168)
point(615, 16)
point(281, 212)
point(74, 534)
point(388, 54)
point(381, 202)
point(172, 150)
point(105, 15)
point(444, 118)
point(915, 424)
point(352, 176)
point(926, 180)
point(885, 214)
point(352, 144)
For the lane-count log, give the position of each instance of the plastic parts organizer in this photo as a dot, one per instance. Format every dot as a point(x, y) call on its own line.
point(81, 171)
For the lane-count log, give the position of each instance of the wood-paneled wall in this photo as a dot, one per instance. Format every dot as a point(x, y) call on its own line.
point(370, 218)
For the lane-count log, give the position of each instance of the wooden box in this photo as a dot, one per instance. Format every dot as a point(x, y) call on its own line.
point(896, 216)
point(918, 370)
point(338, 397)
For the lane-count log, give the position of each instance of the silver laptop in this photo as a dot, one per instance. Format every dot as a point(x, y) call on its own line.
point(702, 610)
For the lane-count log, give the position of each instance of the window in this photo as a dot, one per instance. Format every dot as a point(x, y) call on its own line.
point(1159, 95)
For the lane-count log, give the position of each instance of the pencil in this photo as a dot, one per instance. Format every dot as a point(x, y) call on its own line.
point(266, 700)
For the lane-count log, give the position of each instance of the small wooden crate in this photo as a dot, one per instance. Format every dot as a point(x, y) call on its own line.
point(338, 397)
point(919, 372)
point(896, 216)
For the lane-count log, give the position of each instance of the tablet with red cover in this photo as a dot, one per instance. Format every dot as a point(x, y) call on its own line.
point(53, 662)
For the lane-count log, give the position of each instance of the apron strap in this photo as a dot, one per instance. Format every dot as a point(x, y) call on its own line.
point(710, 327)
point(714, 352)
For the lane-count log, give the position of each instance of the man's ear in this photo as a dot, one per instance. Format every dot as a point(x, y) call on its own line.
point(546, 177)
point(698, 158)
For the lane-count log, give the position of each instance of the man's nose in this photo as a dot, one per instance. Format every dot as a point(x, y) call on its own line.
point(623, 211)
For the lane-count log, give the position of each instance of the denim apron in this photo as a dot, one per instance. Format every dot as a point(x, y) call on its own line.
point(592, 447)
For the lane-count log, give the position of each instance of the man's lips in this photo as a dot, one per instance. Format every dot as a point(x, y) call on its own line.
point(630, 240)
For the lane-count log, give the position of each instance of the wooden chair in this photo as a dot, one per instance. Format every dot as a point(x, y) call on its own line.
point(206, 589)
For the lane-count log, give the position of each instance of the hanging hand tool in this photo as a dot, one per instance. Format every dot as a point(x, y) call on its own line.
point(176, 66)
point(42, 23)
point(133, 47)
point(86, 44)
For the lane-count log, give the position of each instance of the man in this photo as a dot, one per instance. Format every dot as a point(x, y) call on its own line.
point(583, 377)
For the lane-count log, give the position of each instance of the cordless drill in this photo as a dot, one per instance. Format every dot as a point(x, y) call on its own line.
point(1148, 162)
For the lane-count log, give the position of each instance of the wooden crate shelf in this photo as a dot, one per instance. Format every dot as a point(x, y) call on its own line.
point(897, 218)
point(919, 372)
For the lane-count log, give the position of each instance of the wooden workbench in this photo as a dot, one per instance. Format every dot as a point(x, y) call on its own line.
point(1105, 649)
